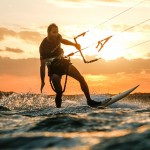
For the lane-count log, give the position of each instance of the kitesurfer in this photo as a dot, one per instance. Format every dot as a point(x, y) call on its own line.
point(51, 54)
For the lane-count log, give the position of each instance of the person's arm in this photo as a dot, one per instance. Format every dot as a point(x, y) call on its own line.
point(42, 73)
point(67, 42)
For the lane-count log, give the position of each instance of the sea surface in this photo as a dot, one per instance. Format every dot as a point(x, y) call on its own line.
point(31, 121)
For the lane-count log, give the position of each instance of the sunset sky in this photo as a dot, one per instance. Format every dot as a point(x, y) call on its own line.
point(125, 58)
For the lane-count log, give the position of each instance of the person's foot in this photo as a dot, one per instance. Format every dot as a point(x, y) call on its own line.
point(58, 100)
point(93, 103)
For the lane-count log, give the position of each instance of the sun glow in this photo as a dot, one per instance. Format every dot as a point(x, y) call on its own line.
point(112, 52)
point(112, 49)
point(117, 46)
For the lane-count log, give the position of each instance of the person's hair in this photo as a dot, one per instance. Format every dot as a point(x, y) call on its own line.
point(51, 26)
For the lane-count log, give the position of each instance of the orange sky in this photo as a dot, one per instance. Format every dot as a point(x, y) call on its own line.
point(125, 57)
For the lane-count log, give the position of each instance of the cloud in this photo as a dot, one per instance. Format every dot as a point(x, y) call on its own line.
point(79, 3)
point(24, 75)
point(30, 67)
point(30, 36)
point(89, 3)
point(122, 27)
point(71, 3)
point(148, 55)
point(14, 50)
point(19, 67)
point(146, 27)
point(6, 32)
point(114, 66)
point(27, 36)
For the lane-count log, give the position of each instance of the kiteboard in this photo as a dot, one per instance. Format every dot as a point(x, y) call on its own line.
point(117, 97)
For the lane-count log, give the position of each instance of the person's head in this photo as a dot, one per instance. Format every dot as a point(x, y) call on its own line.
point(52, 30)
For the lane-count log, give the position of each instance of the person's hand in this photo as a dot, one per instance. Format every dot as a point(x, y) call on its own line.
point(42, 86)
point(78, 47)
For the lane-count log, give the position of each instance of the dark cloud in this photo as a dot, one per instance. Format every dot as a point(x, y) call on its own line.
point(114, 66)
point(19, 67)
point(30, 67)
point(27, 36)
point(14, 50)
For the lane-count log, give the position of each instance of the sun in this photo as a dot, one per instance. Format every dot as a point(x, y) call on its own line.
point(111, 50)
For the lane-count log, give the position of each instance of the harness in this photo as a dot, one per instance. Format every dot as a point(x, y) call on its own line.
point(66, 78)
point(53, 63)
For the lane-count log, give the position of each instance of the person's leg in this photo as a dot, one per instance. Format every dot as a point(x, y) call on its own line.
point(56, 82)
point(73, 72)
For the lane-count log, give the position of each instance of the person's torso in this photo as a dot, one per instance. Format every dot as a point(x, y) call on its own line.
point(51, 49)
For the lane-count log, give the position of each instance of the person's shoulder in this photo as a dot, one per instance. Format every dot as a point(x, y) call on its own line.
point(42, 44)
point(43, 41)
point(59, 36)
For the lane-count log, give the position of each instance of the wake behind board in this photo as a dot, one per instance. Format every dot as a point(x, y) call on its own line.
point(118, 97)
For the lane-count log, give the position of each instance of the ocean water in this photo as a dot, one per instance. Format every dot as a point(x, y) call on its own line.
point(33, 122)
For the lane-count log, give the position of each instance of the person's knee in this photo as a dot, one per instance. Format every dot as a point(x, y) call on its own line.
point(55, 78)
point(81, 79)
